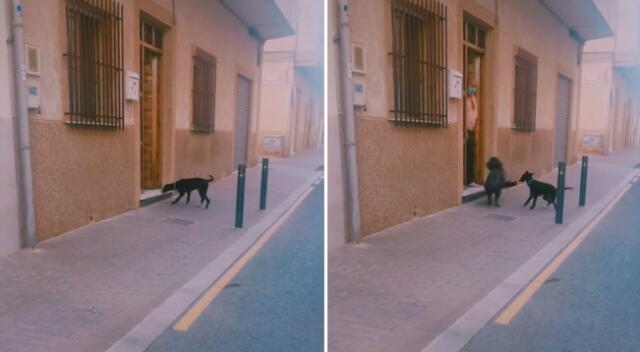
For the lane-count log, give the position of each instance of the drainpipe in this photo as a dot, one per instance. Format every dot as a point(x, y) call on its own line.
point(24, 144)
point(354, 230)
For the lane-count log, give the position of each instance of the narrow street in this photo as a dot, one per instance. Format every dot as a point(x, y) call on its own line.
point(591, 302)
point(276, 302)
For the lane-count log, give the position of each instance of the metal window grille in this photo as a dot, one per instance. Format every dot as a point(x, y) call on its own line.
point(95, 63)
point(419, 58)
point(204, 91)
point(526, 83)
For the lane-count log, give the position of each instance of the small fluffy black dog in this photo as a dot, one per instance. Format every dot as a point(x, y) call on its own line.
point(496, 181)
point(187, 185)
point(537, 189)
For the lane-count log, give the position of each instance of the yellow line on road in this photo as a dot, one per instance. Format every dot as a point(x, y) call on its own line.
point(514, 308)
point(196, 311)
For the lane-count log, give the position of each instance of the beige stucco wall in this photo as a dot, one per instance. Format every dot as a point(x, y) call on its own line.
point(308, 119)
point(236, 53)
point(9, 206)
point(596, 99)
point(407, 172)
point(292, 99)
point(610, 99)
point(403, 172)
point(82, 176)
point(291, 106)
point(529, 25)
point(275, 105)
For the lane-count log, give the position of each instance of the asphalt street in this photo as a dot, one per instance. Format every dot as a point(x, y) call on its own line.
point(276, 303)
point(591, 303)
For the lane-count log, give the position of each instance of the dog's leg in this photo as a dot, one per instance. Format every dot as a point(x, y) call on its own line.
point(497, 198)
point(188, 197)
point(177, 199)
point(533, 205)
point(203, 197)
point(489, 198)
point(528, 200)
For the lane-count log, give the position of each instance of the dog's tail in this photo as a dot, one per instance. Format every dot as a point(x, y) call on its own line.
point(568, 188)
point(210, 179)
point(510, 184)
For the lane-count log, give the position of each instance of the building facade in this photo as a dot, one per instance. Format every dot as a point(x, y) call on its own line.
point(610, 101)
point(412, 64)
point(292, 103)
point(10, 239)
point(130, 95)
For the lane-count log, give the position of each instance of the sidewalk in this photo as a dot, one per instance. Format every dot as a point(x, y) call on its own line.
point(401, 288)
point(85, 290)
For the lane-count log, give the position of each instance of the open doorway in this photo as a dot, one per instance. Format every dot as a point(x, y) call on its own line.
point(474, 47)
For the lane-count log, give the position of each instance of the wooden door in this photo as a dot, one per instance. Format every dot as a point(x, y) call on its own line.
point(149, 126)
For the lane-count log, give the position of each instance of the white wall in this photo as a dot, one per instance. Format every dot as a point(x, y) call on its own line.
point(9, 232)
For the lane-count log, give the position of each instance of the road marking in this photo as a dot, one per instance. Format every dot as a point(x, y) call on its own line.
point(196, 311)
point(514, 308)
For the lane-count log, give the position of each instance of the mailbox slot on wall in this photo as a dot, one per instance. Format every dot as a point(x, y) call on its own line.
point(359, 94)
point(455, 85)
point(132, 86)
point(33, 95)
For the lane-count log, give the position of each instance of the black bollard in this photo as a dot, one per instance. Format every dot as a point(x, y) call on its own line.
point(562, 167)
point(263, 184)
point(240, 196)
point(583, 180)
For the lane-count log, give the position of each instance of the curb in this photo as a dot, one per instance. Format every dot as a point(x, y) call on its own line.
point(456, 336)
point(153, 325)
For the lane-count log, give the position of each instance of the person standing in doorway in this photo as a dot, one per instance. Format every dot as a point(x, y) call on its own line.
point(471, 117)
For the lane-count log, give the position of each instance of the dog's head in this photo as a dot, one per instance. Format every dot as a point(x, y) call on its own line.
point(494, 164)
point(168, 187)
point(527, 176)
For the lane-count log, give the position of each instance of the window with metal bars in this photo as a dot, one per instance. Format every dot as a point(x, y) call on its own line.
point(419, 58)
point(95, 63)
point(525, 92)
point(204, 91)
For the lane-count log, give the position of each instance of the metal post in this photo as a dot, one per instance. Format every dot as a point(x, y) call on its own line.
point(562, 167)
point(583, 180)
point(348, 124)
point(24, 143)
point(263, 184)
point(240, 196)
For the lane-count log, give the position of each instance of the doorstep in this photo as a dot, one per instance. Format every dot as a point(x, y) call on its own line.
point(472, 193)
point(150, 196)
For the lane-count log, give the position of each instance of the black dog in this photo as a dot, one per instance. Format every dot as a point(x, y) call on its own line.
point(187, 185)
point(537, 189)
point(496, 180)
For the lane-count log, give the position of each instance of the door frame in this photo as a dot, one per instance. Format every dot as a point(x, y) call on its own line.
point(144, 50)
point(482, 97)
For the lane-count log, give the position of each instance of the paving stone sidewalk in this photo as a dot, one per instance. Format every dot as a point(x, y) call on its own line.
point(400, 288)
point(84, 290)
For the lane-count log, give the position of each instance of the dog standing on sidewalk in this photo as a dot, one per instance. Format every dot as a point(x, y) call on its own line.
point(496, 181)
point(187, 185)
point(537, 189)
